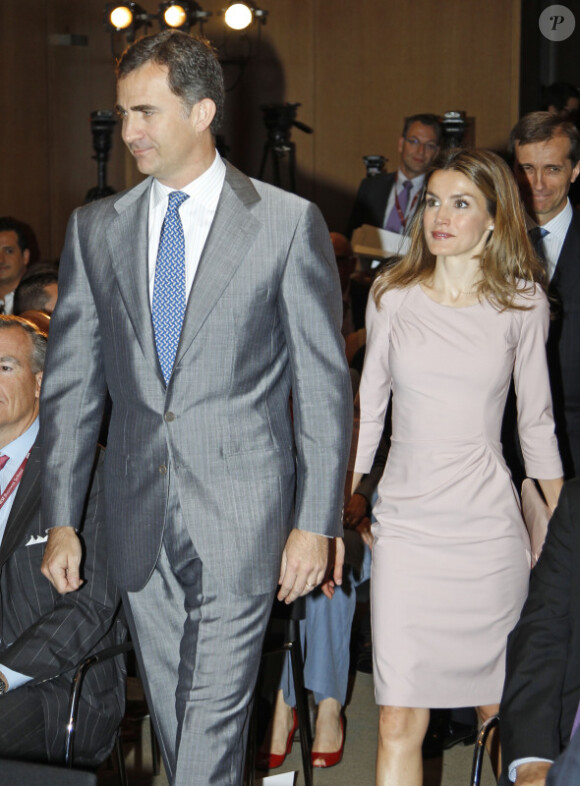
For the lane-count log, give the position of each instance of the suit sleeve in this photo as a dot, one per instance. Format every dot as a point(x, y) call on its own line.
point(73, 374)
point(71, 625)
point(539, 646)
point(310, 305)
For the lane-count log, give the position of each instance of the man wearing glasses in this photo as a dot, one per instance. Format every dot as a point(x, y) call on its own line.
point(388, 200)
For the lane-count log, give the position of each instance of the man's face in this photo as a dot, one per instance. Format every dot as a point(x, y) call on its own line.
point(544, 173)
point(19, 386)
point(417, 149)
point(51, 292)
point(12, 260)
point(161, 135)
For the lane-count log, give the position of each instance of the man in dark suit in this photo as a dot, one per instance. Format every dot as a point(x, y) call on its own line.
point(379, 204)
point(43, 635)
point(546, 151)
point(200, 299)
point(542, 688)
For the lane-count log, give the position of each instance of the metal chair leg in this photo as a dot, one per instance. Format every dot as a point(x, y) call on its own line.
point(479, 749)
point(120, 759)
point(301, 703)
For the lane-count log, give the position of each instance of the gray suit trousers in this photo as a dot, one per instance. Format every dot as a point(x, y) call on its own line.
point(199, 649)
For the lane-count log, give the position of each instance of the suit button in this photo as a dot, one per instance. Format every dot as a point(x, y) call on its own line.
point(163, 469)
point(169, 417)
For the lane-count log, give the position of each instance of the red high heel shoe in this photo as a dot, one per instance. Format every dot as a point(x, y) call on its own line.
point(332, 758)
point(270, 761)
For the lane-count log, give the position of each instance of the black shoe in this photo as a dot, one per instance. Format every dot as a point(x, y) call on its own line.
point(458, 733)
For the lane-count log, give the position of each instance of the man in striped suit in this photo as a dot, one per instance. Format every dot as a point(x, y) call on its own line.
point(43, 635)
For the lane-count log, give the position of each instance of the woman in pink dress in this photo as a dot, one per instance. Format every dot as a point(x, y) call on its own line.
point(447, 328)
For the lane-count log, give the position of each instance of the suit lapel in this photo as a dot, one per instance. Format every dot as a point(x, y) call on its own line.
point(568, 267)
point(25, 502)
point(231, 235)
point(127, 238)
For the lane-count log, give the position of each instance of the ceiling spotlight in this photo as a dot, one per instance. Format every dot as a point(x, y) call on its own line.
point(124, 17)
point(181, 15)
point(238, 16)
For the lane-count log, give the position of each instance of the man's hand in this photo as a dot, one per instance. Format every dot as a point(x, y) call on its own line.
point(304, 564)
point(533, 773)
point(364, 530)
point(62, 559)
point(355, 511)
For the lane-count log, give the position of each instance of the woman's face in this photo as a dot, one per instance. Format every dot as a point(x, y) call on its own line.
point(456, 221)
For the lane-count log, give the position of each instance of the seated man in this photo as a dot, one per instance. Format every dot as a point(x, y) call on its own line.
point(43, 635)
point(14, 258)
point(542, 689)
point(389, 199)
point(37, 292)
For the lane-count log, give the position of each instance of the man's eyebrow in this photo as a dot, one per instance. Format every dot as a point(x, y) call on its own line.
point(137, 108)
point(10, 359)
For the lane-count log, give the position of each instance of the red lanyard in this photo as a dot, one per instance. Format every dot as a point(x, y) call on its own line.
point(402, 218)
point(14, 482)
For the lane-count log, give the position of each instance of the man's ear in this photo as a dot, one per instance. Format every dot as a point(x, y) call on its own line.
point(204, 113)
point(401, 143)
point(38, 376)
point(575, 172)
point(26, 256)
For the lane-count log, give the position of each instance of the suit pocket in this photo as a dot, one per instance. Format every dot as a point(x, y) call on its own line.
point(260, 463)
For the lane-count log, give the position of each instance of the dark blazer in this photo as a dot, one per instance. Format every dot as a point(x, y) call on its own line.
point(371, 201)
point(566, 769)
point(45, 634)
point(542, 687)
point(564, 348)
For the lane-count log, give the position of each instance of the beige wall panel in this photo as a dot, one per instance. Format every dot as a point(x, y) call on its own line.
point(356, 69)
point(24, 191)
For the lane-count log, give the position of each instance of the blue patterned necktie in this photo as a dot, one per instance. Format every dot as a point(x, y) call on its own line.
point(169, 301)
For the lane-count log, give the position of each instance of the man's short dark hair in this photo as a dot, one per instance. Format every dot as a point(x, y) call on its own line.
point(426, 120)
point(194, 69)
point(31, 295)
point(558, 94)
point(9, 224)
point(541, 127)
point(37, 339)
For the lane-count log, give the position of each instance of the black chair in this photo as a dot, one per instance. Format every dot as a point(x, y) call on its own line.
point(77, 683)
point(275, 644)
point(30, 773)
point(479, 749)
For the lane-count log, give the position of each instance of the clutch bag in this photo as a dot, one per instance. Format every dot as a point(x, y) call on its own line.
point(536, 517)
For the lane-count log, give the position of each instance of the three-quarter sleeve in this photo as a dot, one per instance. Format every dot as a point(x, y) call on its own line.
point(375, 386)
point(534, 399)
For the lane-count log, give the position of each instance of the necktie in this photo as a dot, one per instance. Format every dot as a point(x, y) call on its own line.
point(168, 305)
point(393, 222)
point(537, 234)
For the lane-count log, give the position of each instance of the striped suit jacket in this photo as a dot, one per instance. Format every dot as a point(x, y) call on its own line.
point(44, 634)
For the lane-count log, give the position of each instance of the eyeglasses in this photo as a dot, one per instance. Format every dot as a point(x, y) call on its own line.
point(431, 147)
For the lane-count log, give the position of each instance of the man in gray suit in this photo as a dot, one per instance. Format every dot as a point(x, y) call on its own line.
point(44, 635)
point(201, 299)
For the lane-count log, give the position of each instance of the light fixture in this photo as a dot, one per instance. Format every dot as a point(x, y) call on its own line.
point(181, 15)
point(239, 16)
point(125, 18)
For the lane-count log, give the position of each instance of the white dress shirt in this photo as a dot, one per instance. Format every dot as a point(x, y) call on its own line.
point(196, 213)
point(552, 243)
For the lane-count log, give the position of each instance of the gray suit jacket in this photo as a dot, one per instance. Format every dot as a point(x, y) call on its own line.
point(45, 635)
point(263, 319)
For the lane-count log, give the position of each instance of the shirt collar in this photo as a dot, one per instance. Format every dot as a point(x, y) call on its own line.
point(209, 180)
point(19, 447)
point(417, 181)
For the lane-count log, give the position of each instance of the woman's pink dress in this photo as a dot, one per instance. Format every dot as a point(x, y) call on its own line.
point(451, 556)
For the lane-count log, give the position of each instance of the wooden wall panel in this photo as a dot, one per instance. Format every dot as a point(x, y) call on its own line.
point(356, 68)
